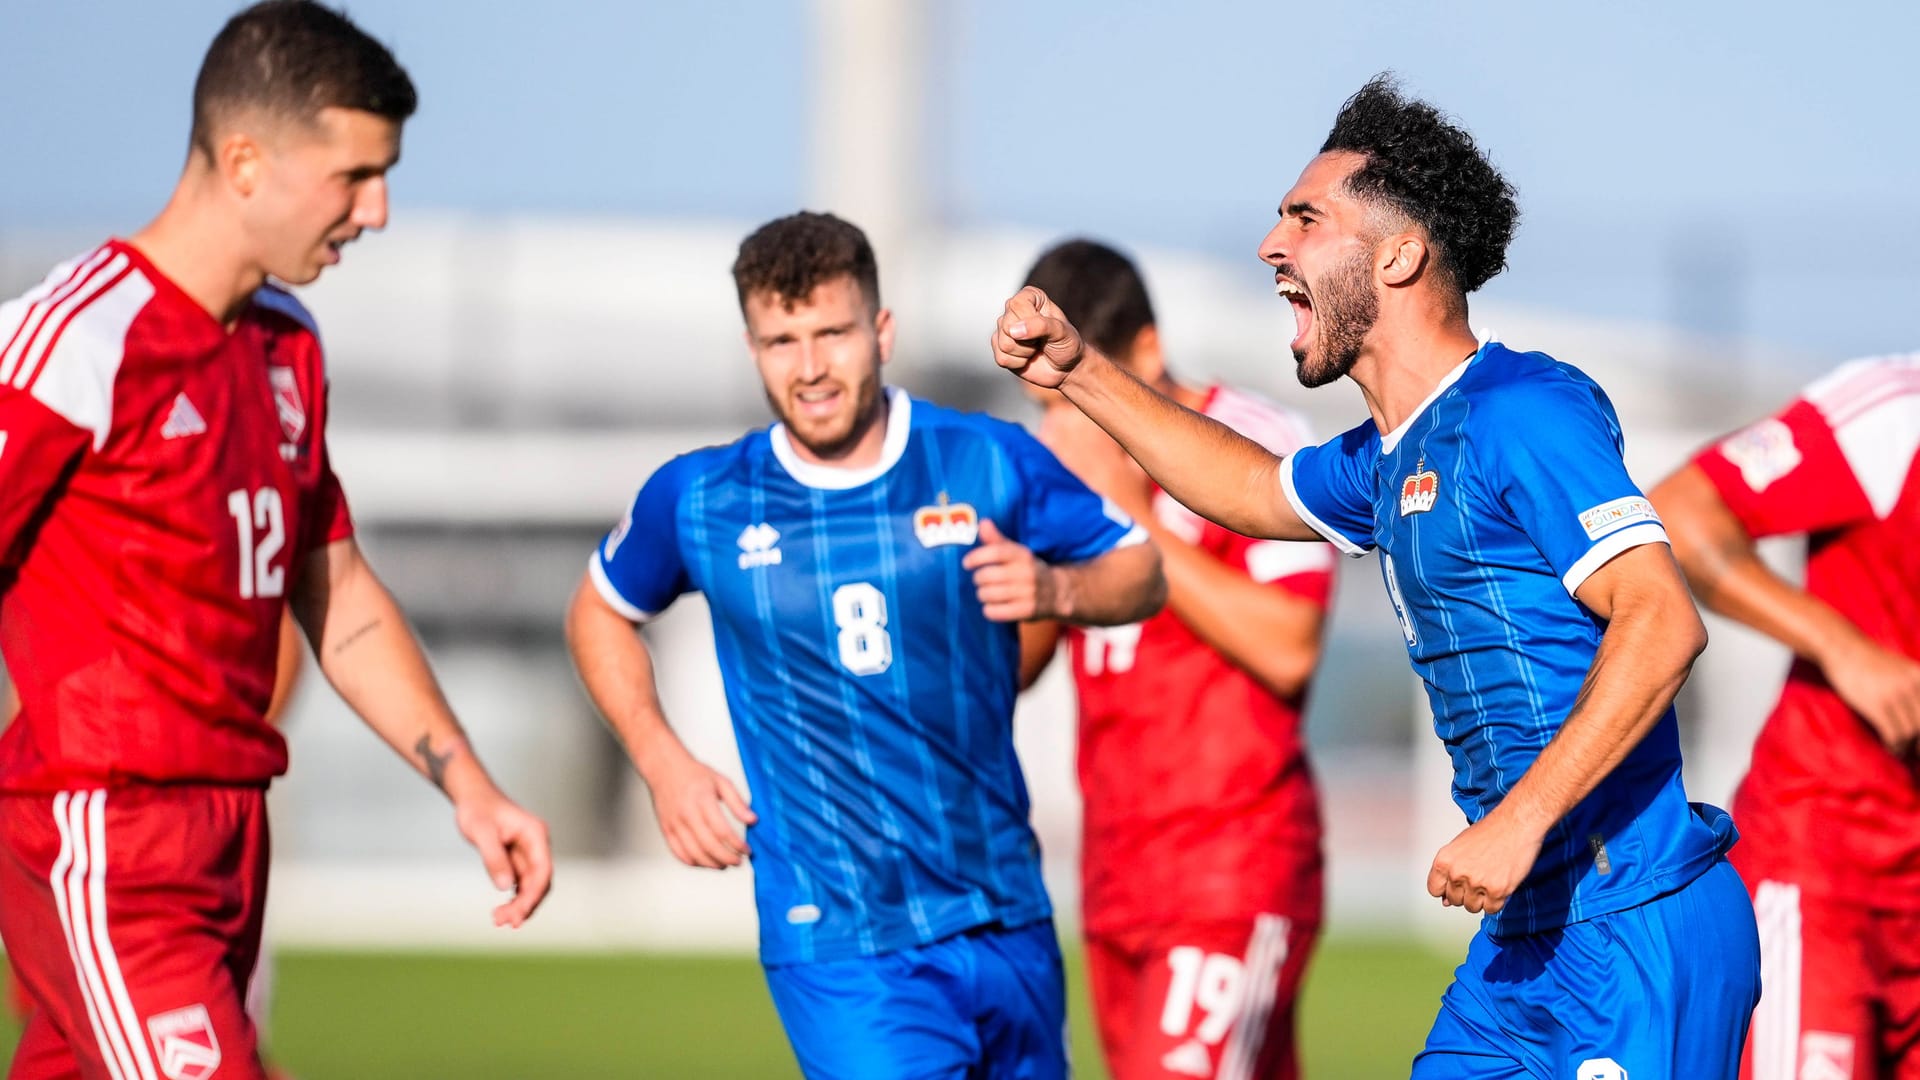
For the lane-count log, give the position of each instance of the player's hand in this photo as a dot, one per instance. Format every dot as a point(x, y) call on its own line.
point(513, 845)
point(1883, 687)
point(1035, 341)
point(687, 798)
point(1480, 869)
point(1013, 583)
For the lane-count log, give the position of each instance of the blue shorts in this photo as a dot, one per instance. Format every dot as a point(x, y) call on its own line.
point(1662, 991)
point(989, 1003)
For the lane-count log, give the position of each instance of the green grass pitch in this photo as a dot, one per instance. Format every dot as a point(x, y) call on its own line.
point(400, 1016)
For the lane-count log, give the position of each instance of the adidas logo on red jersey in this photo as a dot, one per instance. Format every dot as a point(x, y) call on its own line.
point(184, 420)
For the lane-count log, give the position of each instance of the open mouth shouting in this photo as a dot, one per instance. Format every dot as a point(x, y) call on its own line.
point(1296, 295)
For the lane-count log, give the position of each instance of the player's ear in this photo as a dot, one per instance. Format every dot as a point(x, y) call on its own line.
point(1143, 357)
point(883, 331)
point(1401, 257)
point(240, 160)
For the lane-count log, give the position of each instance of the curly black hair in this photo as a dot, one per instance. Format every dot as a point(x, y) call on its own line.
point(1099, 289)
point(1428, 168)
point(790, 256)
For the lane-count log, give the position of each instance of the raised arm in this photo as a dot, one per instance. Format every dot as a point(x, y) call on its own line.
point(1222, 475)
point(1718, 556)
point(1653, 636)
point(369, 654)
point(617, 670)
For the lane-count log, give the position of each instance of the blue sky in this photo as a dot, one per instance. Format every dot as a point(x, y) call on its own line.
point(1728, 167)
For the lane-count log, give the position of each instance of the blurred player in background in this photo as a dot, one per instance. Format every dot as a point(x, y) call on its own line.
point(1829, 812)
point(1200, 861)
point(865, 561)
point(1534, 587)
point(165, 497)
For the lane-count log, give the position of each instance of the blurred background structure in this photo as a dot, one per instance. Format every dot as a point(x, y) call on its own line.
point(1710, 196)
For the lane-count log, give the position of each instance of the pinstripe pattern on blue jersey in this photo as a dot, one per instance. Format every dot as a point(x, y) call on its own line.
point(892, 808)
point(1522, 447)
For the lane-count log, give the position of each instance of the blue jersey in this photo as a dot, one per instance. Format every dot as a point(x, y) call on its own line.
point(1490, 506)
point(871, 698)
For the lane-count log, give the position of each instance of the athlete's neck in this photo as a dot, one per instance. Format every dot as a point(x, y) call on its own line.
point(1399, 368)
point(199, 247)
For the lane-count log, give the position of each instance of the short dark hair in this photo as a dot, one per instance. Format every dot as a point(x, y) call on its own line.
point(1427, 167)
point(292, 58)
point(1098, 289)
point(793, 255)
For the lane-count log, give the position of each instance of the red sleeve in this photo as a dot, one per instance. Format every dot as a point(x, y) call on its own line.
point(331, 520)
point(1301, 568)
point(1786, 474)
point(37, 448)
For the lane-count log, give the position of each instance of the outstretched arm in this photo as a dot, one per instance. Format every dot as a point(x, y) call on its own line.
point(367, 651)
point(1653, 636)
point(1220, 474)
point(688, 797)
point(1729, 577)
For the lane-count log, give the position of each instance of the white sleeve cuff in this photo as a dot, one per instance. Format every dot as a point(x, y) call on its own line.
point(1136, 535)
point(604, 586)
point(1597, 556)
point(1333, 535)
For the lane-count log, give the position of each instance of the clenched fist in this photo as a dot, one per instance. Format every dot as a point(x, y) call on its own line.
point(1035, 341)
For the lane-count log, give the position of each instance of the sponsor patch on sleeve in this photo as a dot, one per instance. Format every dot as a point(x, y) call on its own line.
point(1763, 452)
point(1613, 516)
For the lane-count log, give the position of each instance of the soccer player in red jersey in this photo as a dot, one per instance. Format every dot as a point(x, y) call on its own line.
point(1200, 862)
point(1829, 812)
point(165, 496)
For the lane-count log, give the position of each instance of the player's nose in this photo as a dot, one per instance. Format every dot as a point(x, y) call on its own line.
point(370, 204)
point(1273, 246)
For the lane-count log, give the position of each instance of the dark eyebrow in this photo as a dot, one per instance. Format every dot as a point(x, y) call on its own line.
point(1296, 209)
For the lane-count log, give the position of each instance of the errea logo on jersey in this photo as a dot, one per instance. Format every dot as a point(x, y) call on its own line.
point(759, 546)
point(947, 523)
point(1618, 514)
point(1418, 492)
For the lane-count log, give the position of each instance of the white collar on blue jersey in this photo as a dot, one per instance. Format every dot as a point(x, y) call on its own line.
point(832, 478)
point(1392, 438)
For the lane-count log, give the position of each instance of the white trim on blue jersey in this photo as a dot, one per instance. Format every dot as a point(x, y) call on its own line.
point(604, 586)
point(1651, 532)
point(1334, 536)
point(835, 478)
point(1392, 438)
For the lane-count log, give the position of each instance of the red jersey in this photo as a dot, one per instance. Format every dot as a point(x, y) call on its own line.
point(1199, 801)
point(162, 479)
point(1839, 463)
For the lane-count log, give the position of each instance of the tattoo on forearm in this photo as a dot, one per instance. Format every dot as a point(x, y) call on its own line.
point(436, 763)
point(350, 639)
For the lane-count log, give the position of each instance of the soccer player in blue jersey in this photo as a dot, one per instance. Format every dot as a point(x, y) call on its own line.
point(866, 560)
point(1535, 589)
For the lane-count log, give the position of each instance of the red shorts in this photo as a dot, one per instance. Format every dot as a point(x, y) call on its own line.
point(132, 917)
point(1200, 999)
point(1839, 986)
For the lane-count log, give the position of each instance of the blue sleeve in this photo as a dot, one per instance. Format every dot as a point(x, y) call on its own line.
point(1552, 451)
point(1061, 519)
point(638, 568)
point(1331, 487)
